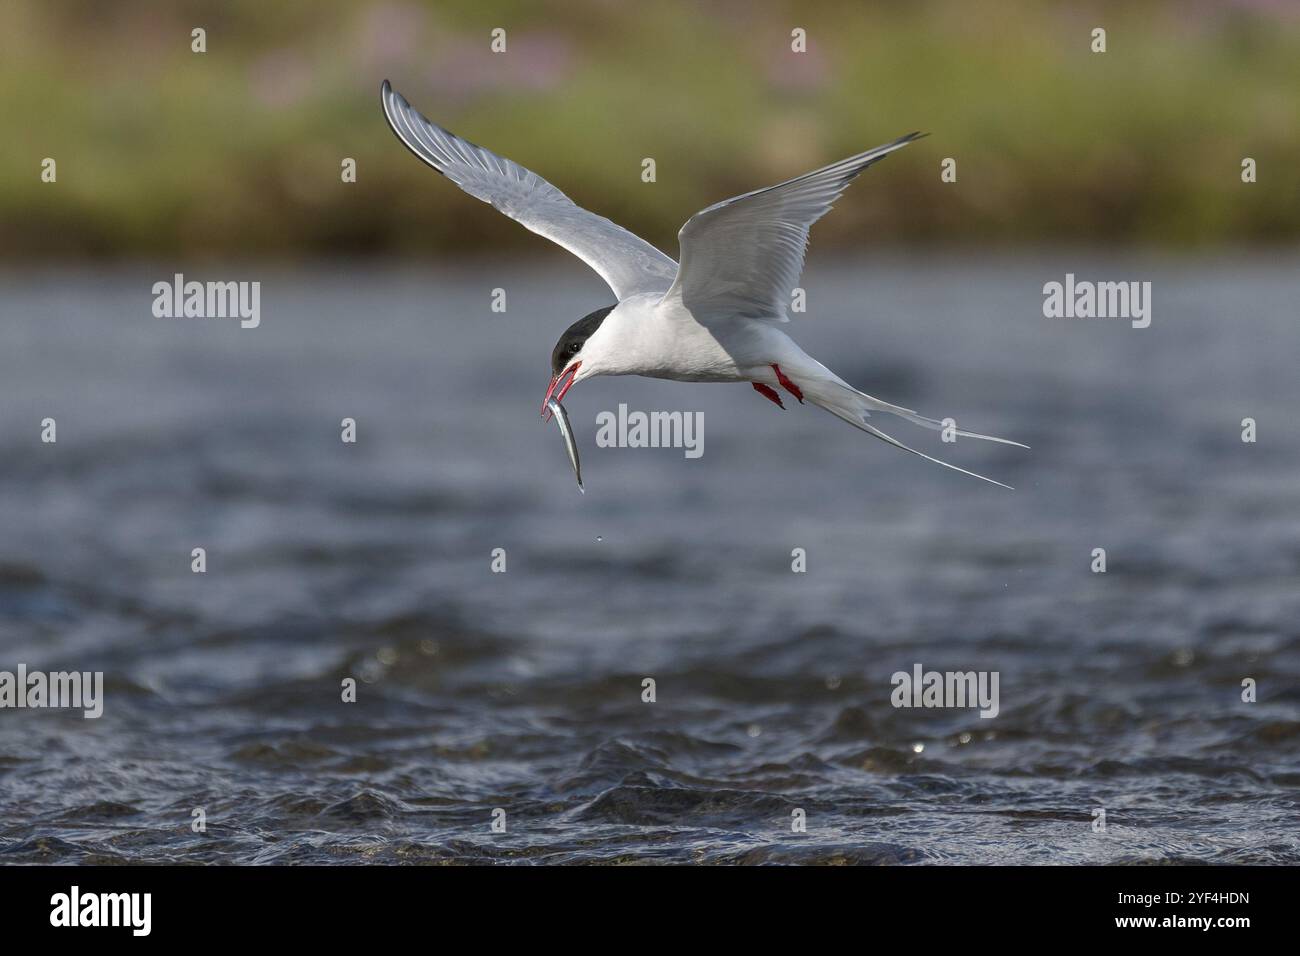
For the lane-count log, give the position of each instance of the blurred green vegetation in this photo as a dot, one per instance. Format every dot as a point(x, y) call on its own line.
point(237, 151)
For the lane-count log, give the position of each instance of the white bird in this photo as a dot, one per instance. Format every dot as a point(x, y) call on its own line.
point(716, 317)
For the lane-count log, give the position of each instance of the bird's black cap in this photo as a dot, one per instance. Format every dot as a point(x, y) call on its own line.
point(574, 336)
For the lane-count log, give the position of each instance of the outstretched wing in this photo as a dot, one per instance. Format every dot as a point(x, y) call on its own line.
point(629, 264)
point(743, 256)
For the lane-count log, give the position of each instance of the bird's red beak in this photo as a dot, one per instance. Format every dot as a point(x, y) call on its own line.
point(560, 385)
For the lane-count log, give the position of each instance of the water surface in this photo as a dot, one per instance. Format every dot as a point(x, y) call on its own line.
point(523, 691)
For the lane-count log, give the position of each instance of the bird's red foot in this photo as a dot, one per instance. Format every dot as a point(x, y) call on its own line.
point(767, 392)
point(786, 384)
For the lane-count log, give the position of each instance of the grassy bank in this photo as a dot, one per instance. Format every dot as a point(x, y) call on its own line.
point(238, 150)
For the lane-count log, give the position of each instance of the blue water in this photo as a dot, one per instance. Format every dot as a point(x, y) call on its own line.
point(522, 691)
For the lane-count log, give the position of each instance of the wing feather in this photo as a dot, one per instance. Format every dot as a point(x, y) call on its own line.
point(743, 256)
point(627, 263)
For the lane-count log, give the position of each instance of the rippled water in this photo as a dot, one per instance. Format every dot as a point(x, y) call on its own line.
point(522, 691)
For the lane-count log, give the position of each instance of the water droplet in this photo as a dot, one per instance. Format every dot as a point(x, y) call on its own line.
point(599, 538)
point(917, 748)
point(754, 730)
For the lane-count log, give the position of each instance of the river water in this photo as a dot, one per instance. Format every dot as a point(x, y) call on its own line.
point(771, 736)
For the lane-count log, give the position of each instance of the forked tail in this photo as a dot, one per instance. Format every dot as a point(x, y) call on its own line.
point(844, 401)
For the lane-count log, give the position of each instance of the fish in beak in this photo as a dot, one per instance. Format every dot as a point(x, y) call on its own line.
point(570, 444)
point(560, 385)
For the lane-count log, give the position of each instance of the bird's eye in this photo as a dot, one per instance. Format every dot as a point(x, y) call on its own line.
point(573, 347)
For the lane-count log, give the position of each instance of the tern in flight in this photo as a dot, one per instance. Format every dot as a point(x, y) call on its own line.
point(716, 316)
